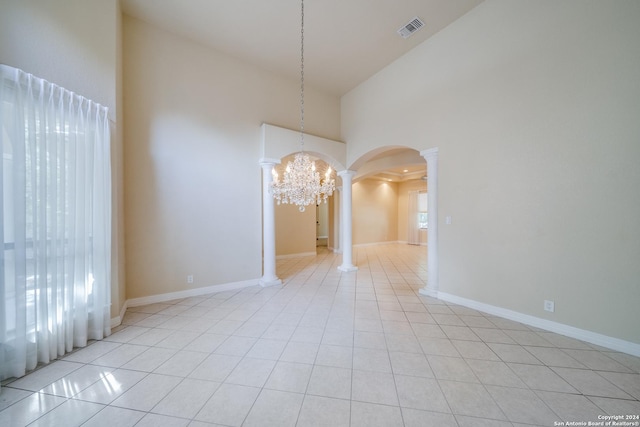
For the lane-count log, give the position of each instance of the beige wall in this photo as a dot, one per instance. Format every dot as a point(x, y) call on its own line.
point(374, 219)
point(192, 147)
point(295, 230)
point(74, 44)
point(403, 208)
point(536, 121)
point(374, 211)
point(117, 170)
point(71, 43)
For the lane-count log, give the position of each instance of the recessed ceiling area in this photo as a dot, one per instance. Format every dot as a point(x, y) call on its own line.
point(396, 165)
point(401, 174)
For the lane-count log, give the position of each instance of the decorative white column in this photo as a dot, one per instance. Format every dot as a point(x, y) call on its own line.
point(347, 246)
point(269, 277)
point(337, 223)
point(431, 156)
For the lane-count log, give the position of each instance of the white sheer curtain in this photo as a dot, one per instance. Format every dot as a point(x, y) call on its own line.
point(413, 231)
point(56, 222)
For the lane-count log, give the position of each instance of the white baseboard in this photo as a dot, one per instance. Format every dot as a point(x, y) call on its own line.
point(548, 325)
point(301, 254)
point(428, 292)
point(116, 321)
point(152, 299)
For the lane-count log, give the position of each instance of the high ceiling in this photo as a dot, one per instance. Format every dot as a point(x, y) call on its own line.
point(345, 41)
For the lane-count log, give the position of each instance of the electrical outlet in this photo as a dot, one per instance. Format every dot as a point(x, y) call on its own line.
point(549, 306)
point(190, 278)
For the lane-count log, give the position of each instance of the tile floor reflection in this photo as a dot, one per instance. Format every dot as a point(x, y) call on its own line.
point(326, 349)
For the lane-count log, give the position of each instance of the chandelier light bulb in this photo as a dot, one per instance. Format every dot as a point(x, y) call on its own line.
point(301, 184)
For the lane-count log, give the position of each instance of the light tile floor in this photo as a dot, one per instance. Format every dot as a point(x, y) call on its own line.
point(326, 349)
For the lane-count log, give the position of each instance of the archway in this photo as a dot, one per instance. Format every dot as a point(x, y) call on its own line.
point(297, 233)
point(277, 143)
point(390, 158)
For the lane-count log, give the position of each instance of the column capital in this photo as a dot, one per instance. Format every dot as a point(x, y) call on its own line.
point(346, 172)
point(269, 162)
point(431, 152)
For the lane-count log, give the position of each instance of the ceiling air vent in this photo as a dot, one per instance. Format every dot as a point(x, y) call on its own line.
point(410, 27)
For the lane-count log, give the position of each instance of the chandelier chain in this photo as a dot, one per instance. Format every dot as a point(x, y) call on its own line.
point(302, 75)
point(301, 184)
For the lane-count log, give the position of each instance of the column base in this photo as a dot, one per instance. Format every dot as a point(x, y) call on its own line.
point(347, 268)
point(428, 292)
point(273, 281)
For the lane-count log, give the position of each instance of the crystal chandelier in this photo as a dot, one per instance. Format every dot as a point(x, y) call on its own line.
point(301, 184)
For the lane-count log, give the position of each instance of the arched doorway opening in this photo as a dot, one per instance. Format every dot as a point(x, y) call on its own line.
point(299, 233)
point(388, 175)
point(277, 143)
